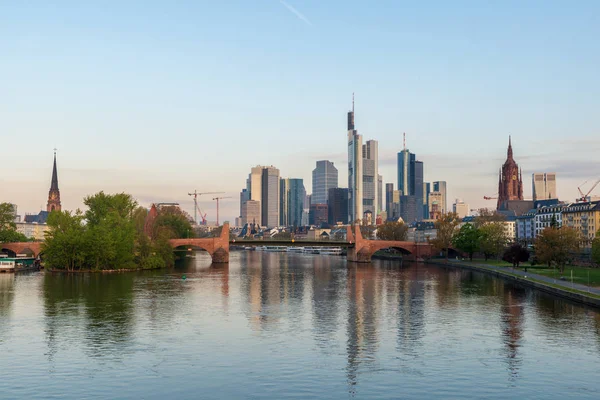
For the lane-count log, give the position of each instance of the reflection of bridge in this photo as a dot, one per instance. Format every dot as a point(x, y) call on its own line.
point(359, 249)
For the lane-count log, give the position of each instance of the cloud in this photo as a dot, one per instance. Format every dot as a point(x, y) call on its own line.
point(295, 12)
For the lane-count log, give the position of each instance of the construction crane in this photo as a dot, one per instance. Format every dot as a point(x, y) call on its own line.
point(490, 197)
point(584, 197)
point(196, 194)
point(217, 199)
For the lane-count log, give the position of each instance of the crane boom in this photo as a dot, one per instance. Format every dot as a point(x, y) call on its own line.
point(195, 195)
point(217, 199)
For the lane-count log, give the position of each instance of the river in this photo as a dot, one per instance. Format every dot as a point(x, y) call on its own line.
point(282, 326)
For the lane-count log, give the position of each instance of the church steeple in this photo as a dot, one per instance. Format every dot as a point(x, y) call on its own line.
point(509, 153)
point(54, 193)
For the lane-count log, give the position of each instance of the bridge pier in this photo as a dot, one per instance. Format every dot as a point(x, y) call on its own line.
point(220, 256)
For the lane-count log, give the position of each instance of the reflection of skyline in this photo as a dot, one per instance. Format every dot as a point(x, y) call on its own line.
point(512, 328)
point(326, 292)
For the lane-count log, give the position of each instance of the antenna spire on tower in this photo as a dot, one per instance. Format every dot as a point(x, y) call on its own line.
point(404, 140)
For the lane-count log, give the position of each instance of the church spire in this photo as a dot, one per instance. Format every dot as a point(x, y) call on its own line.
point(509, 153)
point(54, 194)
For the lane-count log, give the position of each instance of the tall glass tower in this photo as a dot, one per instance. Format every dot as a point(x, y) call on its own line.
point(355, 170)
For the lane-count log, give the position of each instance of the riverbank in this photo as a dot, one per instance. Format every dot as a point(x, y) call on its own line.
point(573, 291)
point(103, 271)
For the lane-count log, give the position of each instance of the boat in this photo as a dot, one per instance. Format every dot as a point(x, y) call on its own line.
point(19, 264)
point(332, 251)
point(277, 249)
point(295, 249)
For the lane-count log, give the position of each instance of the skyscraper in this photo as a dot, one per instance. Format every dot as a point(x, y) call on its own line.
point(292, 202)
point(380, 194)
point(426, 206)
point(440, 186)
point(355, 170)
point(389, 193)
point(337, 206)
point(254, 186)
point(270, 196)
point(54, 194)
point(324, 177)
point(544, 186)
point(244, 197)
point(370, 154)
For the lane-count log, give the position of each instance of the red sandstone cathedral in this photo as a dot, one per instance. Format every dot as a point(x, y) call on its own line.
point(510, 183)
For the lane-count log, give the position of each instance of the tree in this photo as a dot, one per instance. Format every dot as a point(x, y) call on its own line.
point(392, 230)
point(446, 227)
point(367, 231)
point(596, 249)
point(174, 222)
point(467, 239)
point(493, 239)
point(11, 235)
point(7, 217)
point(516, 254)
point(65, 244)
point(487, 216)
point(557, 245)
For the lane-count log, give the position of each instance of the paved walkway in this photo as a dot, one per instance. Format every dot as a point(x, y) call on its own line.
point(541, 278)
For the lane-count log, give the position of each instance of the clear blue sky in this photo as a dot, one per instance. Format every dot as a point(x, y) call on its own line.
point(161, 98)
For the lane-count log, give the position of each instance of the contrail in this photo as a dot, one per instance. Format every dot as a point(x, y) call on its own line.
point(296, 12)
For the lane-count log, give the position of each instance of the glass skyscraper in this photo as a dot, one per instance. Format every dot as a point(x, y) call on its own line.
point(324, 177)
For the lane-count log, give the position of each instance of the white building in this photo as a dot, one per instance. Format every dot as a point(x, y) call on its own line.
point(460, 208)
point(545, 215)
point(544, 186)
point(32, 230)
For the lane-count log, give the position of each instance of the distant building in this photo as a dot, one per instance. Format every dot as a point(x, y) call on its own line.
point(410, 181)
point(436, 202)
point(584, 217)
point(337, 207)
point(544, 186)
point(389, 193)
point(324, 177)
point(355, 170)
point(32, 230)
point(318, 214)
point(510, 182)
point(440, 187)
point(244, 196)
point(292, 202)
point(411, 207)
point(380, 194)
point(460, 208)
point(54, 194)
point(370, 153)
point(545, 216)
point(270, 197)
point(251, 212)
point(426, 206)
point(254, 186)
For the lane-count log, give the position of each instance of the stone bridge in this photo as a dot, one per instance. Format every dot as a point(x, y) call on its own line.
point(217, 247)
point(363, 249)
point(34, 248)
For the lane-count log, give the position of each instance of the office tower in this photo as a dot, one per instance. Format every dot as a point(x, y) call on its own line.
point(244, 197)
point(355, 170)
point(318, 214)
point(460, 208)
point(251, 212)
point(544, 186)
point(410, 179)
point(380, 194)
point(440, 186)
point(394, 213)
point(270, 197)
point(254, 186)
point(324, 177)
point(426, 191)
point(370, 178)
point(389, 193)
point(337, 206)
point(292, 197)
point(410, 208)
point(436, 205)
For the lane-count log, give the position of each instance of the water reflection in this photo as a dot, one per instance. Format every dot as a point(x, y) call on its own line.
point(7, 294)
point(512, 316)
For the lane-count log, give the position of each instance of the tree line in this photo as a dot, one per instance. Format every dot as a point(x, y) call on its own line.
point(8, 227)
point(112, 234)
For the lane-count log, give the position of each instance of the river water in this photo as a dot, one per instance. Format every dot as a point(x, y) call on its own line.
point(277, 326)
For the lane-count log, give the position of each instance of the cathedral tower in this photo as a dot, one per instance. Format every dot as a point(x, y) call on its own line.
point(510, 183)
point(54, 193)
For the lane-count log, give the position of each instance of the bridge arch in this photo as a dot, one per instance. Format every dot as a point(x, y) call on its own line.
point(30, 248)
point(217, 247)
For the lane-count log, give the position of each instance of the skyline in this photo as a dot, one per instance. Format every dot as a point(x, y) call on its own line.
point(133, 101)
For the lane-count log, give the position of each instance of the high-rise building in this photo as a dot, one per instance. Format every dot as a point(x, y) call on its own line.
point(254, 187)
point(370, 177)
point(436, 205)
point(318, 214)
point(544, 186)
point(244, 197)
point(292, 202)
point(355, 170)
point(394, 213)
point(426, 191)
point(380, 194)
point(410, 208)
point(410, 181)
point(251, 212)
point(460, 208)
point(510, 181)
point(270, 197)
point(440, 187)
point(54, 194)
point(389, 193)
point(337, 206)
point(324, 177)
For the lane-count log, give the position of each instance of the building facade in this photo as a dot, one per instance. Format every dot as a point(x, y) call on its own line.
point(251, 212)
point(337, 207)
point(410, 183)
point(292, 198)
point(544, 186)
point(510, 181)
point(324, 177)
point(525, 227)
point(461, 208)
point(318, 214)
point(355, 171)
point(585, 218)
point(440, 187)
point(546, 216)
point(370, 154)
point(270, 197)
point(389, 195)
point(32, 230)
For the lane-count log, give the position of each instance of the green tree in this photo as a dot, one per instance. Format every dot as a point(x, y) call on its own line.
point(467, 239)
point(596, 248)
point(392, 230)
point(516, 254)
point(11, 235)
point(174, 222)
point(557, 245)
point(65, 245)
point(7, 218)
point(493, 239)
point(446, 227)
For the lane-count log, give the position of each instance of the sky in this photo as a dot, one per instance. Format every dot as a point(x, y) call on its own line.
point(159, 99)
